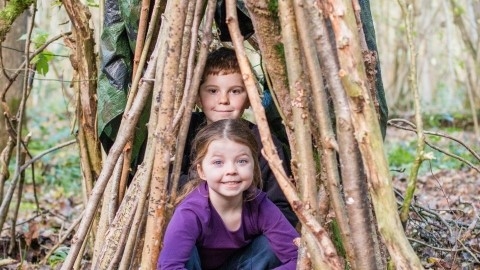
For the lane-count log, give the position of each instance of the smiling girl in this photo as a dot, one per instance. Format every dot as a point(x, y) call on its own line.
point(224, 220)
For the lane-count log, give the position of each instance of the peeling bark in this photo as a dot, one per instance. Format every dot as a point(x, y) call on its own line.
point(368, 134)
point(326, 137)
point(267, 32)
point(84, 62)
point(328, 255)
point(164, 95)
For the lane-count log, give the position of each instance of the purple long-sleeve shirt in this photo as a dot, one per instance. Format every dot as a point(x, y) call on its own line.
point(196, 222)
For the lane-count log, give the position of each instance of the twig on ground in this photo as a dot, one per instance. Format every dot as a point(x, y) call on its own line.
point(469, 251)
point(434, 247)
point(60, 241)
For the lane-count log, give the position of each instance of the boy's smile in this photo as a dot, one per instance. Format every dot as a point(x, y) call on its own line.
point(223, 96)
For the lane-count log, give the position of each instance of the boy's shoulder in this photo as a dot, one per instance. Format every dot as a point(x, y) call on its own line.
point(197, 120)
point(256, 132)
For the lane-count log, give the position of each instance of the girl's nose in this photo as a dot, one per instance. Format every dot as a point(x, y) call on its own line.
point(230, 168)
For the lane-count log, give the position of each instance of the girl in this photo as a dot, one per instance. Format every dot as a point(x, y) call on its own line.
point(224, 221)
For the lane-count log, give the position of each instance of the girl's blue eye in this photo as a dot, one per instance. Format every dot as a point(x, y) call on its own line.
point(217, 162)
point(243, 161)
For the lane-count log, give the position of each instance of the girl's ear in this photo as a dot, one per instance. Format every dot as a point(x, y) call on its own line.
point(200, 172)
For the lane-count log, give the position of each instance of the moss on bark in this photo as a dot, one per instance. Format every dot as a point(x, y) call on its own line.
point(9, 13)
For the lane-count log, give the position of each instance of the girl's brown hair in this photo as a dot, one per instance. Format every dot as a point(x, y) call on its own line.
point(236, 130)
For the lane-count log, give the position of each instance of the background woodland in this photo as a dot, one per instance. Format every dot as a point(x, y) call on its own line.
point(428, 52)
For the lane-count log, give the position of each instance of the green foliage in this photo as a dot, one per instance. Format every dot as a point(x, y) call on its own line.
point(280, 50)
point(13, 9)
point(92, 3)
point(49, 122)
point(58, 256)
point(458, 10)
point(56, 3)
point(442, 119)
point(41, 62)
point(401, 154)
point(337, 238)
point(273, 7)
point(28, 206)
point(62, 170)
point(443, 161)
point(39, 38)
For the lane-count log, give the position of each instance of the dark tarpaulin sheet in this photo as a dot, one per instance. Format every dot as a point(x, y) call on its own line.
point(117, 45)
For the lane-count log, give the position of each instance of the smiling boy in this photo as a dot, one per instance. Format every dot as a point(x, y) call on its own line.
point(223, 96)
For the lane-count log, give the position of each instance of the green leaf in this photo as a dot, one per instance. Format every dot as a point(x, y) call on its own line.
point(39, 37)
point(41, 62)
point(92, 3)
point(56, 3)
point(58, 256)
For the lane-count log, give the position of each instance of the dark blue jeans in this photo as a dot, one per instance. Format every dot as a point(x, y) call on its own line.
point(257, 255)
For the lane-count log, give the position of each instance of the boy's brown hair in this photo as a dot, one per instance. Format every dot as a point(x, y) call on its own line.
point(222, 61)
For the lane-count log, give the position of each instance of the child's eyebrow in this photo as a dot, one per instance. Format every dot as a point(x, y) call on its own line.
point(217, 153)
point(221, 153)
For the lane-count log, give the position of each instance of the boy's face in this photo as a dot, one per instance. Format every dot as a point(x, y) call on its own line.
point(223, 96)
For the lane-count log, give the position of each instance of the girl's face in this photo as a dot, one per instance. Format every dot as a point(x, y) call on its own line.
point(228, 169)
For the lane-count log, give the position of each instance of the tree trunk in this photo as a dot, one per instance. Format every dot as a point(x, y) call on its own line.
point(12, 58)
point(358, 135)
point(368, 135)
point(84, 63)
point(327, 258)
point(12, 49)
point(267, 31)
point(165, 90)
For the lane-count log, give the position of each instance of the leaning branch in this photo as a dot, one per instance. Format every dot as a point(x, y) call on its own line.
point(329, 254)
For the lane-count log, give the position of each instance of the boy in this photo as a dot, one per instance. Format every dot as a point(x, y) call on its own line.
point(222, 95)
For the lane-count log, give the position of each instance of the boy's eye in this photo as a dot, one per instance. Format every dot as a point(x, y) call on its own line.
point(212, 91)
point(237, 91)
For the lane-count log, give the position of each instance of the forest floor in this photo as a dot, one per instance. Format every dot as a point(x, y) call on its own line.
point(444, 225)
point(444, 228)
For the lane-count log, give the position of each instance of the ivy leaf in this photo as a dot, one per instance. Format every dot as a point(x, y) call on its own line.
point(38, 38)
point(41, 62)
point(56, 3)
point(92, 3)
